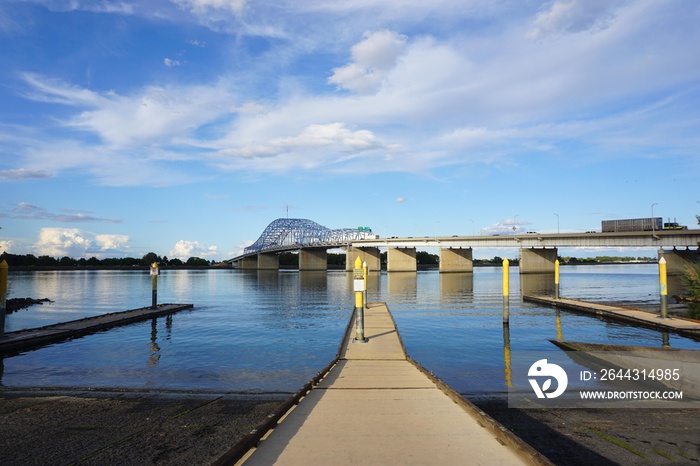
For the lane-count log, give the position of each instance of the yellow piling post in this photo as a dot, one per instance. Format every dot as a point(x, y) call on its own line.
point(365, 269)
point(556, 279)
point(663, 283)
point(359, 287)
point(506, 288)
point(154, 281)
point(3, 295)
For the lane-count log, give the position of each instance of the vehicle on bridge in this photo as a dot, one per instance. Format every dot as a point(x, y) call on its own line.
point(640, 224)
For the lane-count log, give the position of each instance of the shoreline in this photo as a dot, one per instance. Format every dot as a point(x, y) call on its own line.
point(53, 426)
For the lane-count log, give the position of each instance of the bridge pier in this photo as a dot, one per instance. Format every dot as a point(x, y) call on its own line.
point(678, 260)
point(270, 261)
point(456, 260)
point(313, 259)
point(401, 260)
point(536, 260)
point(248, 263)
point(369, 255)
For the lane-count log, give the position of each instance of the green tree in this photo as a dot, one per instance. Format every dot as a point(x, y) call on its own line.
point(150, 258)
point(197, 262)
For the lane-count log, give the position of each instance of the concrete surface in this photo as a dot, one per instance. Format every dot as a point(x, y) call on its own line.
point(375, 407)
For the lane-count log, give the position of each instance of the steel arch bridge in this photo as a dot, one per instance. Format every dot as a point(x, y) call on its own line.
point(286, 234)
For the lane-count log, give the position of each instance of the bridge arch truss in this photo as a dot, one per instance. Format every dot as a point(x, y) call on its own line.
point(294, 233)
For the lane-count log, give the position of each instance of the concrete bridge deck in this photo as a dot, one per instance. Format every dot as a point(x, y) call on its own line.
point(32, 338)
point(376, 407)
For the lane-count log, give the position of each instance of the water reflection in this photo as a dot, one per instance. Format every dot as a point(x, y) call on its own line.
point(402, 285)
point(506, 355)
point(457, 287)
point(537, 284)
point(154, 355)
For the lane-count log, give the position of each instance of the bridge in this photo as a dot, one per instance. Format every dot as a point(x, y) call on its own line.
point(537, 251)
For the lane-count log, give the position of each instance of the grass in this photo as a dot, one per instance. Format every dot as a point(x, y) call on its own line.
point(618, 442)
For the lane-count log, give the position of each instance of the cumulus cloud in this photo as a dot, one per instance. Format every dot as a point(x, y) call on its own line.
point(319, 143)
point(76, 243)
point(183, 250)
point(6, 245)
point(372, 59)
point(401, 199)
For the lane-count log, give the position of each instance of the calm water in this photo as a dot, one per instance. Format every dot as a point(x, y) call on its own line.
point(273, 331)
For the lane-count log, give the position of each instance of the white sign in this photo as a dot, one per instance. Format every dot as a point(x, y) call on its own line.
point(359, 285)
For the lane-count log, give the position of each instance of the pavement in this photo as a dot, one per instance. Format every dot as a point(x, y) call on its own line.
point(376, 407)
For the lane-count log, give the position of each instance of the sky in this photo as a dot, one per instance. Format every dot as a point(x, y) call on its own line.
point(185, 127)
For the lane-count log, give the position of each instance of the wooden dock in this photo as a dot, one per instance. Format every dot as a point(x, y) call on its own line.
point(23, 340)
point(376, 406)
point(685, 327)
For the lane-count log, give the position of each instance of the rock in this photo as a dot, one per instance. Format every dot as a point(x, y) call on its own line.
point(15, 304)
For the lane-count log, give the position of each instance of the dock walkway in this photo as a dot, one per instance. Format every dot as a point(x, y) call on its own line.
point(377, 407)
point(32, 338)
point(686, 327)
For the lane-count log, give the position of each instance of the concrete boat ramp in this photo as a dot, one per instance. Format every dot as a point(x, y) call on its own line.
point(376, 406)
point(33, 338)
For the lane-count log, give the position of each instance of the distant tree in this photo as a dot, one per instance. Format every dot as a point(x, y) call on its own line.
point(67, 261)
point(425, 258)
point(46, 261)
point(93, 261)
point(289, 259)
point(336, 259)
point(197, 262)
point(175, 262)
point(150, 258)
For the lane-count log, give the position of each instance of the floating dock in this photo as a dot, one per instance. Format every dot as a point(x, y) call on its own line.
point(376, 406)
point(685, 327)
point(23, 340)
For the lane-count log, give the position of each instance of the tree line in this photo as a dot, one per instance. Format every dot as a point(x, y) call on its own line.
point(30, 260)
point(286, 259)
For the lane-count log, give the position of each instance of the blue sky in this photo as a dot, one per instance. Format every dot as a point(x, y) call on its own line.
point(184, 127)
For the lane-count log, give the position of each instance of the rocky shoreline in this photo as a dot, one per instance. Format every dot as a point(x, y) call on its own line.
point(15, 304)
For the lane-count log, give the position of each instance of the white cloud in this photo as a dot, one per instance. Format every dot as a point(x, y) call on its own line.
point(320, 144)
point(203, 6)
point(572, 16)
point(401, 199)
point(170, 63)
point(185, 249)
point(372, 59)
point(75, 243)
point(153, 114)
point(417, 102)
point(7, 245)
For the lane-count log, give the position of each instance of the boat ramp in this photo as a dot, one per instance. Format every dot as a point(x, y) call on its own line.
point(377, 406)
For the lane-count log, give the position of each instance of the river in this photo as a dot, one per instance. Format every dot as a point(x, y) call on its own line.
point(266, 332)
